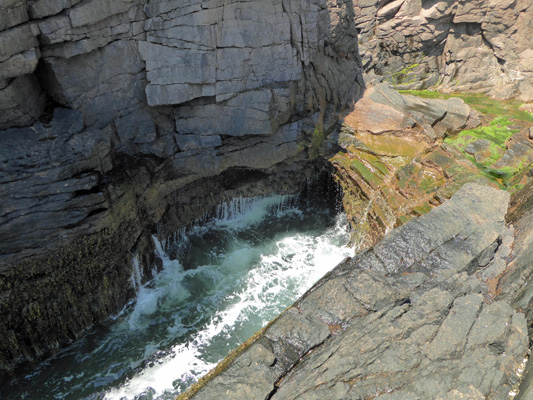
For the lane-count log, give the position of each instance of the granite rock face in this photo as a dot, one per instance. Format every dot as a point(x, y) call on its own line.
point(125, 118)
point(454, 45)
point(411, 318)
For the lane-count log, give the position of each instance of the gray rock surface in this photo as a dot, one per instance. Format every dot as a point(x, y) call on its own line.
point(12, 13)
point(59, 162)
point(417, 44)
point(410, 318)
point(124, 118)
point(21, 102)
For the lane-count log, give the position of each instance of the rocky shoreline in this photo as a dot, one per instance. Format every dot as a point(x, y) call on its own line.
point(123, 119)
point(414, 317)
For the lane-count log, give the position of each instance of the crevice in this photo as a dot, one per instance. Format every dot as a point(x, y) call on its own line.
point(86, 192)
point(439, 119)
point(278, 381)
point(96, 212)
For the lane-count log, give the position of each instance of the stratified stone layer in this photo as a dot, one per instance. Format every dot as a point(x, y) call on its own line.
point(456, 45)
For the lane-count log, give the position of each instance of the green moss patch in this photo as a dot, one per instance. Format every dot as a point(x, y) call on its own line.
point(400, 76)
point(496, 135)
point(422, 209)
point(481, 103)
point(316, 142)
point(389, 145)
point(370, 176)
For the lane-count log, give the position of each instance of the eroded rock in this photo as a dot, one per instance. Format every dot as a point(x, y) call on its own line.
point(176, 106)
point(444, 44)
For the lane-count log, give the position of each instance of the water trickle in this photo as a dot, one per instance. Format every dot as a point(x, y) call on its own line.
point(136, 274)
point(220, 283)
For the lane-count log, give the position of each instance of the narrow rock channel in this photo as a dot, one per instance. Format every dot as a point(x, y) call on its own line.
point(221, 281)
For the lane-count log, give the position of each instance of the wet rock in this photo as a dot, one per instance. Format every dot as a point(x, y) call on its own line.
point(135, 128)
point(193, 142)
point(392, 168)
point(177, 107)
point(48, 152)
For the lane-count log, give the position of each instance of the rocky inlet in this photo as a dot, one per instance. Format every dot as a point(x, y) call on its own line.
point(126, 120)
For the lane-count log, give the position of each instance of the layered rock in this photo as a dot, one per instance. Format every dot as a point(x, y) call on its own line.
point(402, 155)
point(122, 119)
point(457, 46)
point(412, 318)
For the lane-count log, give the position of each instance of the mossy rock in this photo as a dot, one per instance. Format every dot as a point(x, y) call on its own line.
point(480, 102)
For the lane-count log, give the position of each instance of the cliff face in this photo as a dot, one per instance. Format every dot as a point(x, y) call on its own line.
point(119, 116)
point(455, 45)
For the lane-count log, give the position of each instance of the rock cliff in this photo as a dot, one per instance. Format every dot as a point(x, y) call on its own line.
point(120, 119)
point(125, 118)
point(454, 45)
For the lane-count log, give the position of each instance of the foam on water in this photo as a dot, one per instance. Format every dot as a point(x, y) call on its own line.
point(277, 279)
point(250, 262)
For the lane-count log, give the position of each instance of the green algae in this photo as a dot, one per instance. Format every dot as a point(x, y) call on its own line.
point(316, 142)
point(408, 179)
point(429, 184)
point(422, 209)
point(369, 176)
point(497, 133)
point(392, 146)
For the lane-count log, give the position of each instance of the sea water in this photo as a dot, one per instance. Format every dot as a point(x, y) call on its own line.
point(222, 280)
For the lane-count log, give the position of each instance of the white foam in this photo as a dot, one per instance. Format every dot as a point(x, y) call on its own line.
point(136, 274)
point(247, 286)
point(244, 212)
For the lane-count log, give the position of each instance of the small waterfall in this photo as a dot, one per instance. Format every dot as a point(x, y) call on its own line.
point(250, 210)
point(159, 249)
point(136, 275)
point(174, 238)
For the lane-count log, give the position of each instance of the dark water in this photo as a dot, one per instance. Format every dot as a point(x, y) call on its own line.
point(243, 268)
